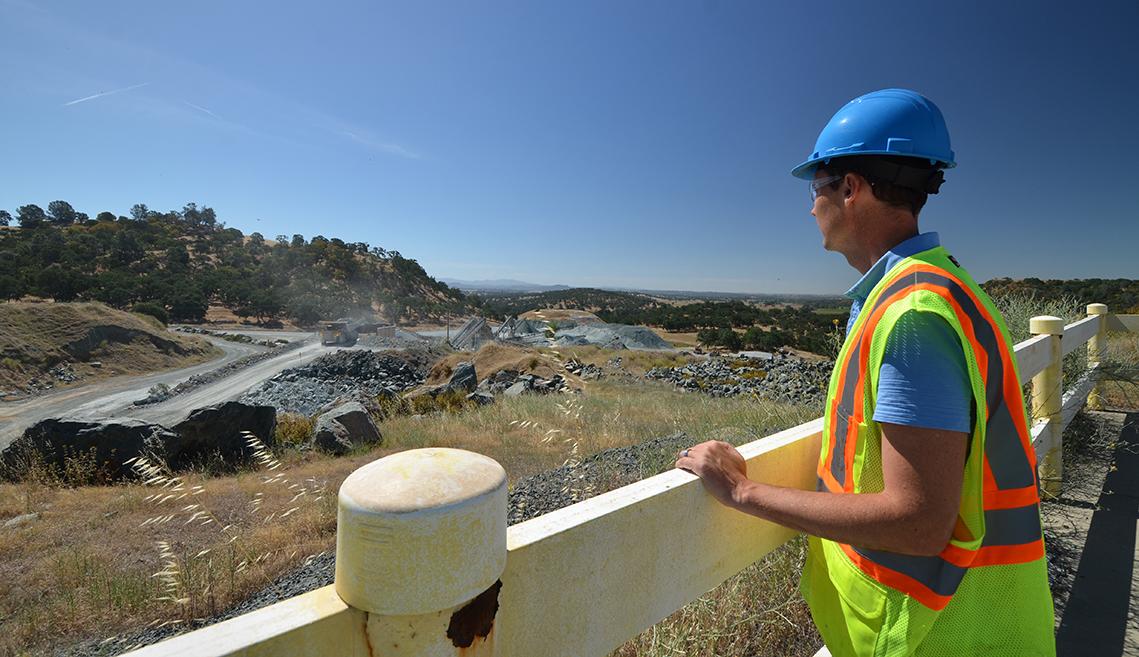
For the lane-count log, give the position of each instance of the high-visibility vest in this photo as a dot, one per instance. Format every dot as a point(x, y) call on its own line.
point(987, 591)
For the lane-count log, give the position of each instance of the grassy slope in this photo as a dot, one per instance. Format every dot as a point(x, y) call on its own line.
point(34, 337)
point(62, 581)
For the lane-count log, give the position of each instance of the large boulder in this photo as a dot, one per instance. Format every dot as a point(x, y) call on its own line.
point(217, 431)
point(344, 428)
point(518, 388)
point(107, 444)
point(463, 378)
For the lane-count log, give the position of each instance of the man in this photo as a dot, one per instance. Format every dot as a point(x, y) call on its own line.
point(925, 533)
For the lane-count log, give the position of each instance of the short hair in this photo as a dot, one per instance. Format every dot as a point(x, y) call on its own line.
point(901, 182)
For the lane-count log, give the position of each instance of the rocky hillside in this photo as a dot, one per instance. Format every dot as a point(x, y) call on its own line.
point(44, 345)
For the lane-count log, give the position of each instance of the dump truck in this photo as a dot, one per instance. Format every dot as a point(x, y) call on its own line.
point(337, 332)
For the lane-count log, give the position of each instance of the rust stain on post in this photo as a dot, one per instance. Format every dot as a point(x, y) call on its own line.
point(475, 619)
point(367, 637)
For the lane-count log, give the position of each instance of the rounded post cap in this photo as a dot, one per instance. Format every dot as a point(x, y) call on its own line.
point(1097, 309)
point(1046, 325)
point(420, 531)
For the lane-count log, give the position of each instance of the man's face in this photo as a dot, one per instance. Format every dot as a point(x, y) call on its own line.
point(829, 211)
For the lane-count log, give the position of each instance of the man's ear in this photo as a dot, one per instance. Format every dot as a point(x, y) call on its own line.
point(851, 184)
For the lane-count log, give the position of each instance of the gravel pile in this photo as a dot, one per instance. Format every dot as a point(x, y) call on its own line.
point(162, 392)
point(612, 468)
point(232, 337)
point(784, 377)
point(610, 336)
point(308, 388)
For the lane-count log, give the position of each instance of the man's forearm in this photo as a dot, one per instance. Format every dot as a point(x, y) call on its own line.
point(869, 520)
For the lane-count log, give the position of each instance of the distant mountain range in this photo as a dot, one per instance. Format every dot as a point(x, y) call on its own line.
point(513, 286)
point(501, 285)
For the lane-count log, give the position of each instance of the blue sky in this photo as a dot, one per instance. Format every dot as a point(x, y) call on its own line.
point(632, 144)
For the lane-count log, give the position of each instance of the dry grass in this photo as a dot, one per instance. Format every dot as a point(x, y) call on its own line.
point(681, 339)
point(35, 337)
point(62, 580)
point(611, 415)
point(757, 612)
point(1120, 383)
point(494, 357)
point(90, 566)
point(558, 314)
point(633, 361)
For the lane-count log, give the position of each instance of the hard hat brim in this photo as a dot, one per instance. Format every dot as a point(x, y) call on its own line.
point(806, 170)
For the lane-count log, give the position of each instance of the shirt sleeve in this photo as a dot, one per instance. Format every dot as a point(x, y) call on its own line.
point(924, 380)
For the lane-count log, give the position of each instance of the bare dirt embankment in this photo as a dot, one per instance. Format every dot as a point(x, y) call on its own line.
point(48, 345)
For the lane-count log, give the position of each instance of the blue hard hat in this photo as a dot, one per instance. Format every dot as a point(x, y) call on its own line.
point(887, 122)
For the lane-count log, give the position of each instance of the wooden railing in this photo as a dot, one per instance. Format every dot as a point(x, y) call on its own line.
point(430, 568)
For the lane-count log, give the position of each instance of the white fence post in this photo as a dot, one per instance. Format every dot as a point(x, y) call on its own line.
point(1097, 351)
point(420, 547)
point(1047, 397)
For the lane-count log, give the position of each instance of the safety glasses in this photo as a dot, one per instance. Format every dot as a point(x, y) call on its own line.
point(816, 185)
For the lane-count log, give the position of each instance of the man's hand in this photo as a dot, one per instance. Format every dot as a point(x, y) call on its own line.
point(914, 514)
point(720, 467)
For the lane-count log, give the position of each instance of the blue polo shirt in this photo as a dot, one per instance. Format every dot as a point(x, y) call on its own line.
point(924, 381)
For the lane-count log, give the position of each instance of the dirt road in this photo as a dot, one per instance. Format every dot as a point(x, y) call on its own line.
point(113, 397)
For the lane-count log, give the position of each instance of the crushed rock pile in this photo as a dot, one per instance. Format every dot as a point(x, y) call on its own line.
point(162, 392)
point(784, 377)
point(610, 336)
point(308, 388)
point(232, 337)
point(570, 333)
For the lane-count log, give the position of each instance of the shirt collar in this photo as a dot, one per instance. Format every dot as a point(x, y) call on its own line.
point(916, 244)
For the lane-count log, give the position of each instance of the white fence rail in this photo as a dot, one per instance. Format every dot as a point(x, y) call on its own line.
point(582, 580)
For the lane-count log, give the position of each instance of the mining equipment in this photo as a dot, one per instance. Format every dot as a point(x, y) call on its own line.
point(337, 332)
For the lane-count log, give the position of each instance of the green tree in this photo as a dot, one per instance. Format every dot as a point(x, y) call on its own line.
point(304, 310)
point(187, 302)
point(729, 339)
point(5, 218)
point(11, 287)
point(60, 213)
point(60, 283)
point(31, 216)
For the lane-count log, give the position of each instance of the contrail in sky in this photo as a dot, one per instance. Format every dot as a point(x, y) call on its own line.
point(104, 93)
point(394, 149)
point(202, 109)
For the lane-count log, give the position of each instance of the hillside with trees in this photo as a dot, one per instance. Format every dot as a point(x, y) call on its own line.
point(180, 262)
point(1120, 294)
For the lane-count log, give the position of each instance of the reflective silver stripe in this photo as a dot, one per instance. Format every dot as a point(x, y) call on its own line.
point(1003, 448)
point(1016, 526)
point(935, 573)
point(842, 415)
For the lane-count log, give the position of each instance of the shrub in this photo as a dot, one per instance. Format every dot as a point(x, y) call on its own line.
point(293, 429)
point(450, 401)
point(153, 309)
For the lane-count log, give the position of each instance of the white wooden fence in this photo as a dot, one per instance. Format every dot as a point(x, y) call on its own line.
point(422, 544)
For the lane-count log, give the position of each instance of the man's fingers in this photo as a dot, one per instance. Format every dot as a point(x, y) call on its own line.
point(686, 463)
